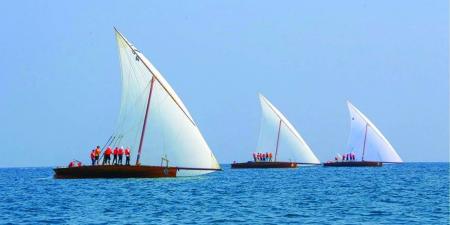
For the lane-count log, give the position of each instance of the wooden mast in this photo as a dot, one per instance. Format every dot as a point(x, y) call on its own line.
point(278, 140)
point(364, 146)
point(145, 121)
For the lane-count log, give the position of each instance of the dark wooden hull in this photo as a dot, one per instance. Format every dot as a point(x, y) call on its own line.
point(263, 165)
point(354, 164)
point(110, 171)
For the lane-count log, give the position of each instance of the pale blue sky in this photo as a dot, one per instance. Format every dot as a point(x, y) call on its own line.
point(60, 74)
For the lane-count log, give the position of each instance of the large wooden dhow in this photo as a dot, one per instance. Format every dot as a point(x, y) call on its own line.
point(371, 147)
point(154, 121)
point(278, 135)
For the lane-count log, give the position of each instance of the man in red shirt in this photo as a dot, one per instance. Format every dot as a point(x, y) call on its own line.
point(127, 155)
point(93, 156)
point(107, 156)
point(115, 152)
point(97, 154)
point(120, 152)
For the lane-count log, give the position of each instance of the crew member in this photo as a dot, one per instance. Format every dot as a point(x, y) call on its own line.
point(127, 155)
point(93, 156)
point(107, 155)
point(254, 156)
point(97, 154)
point(120, 153)
point(115, 153)
point(104, 158)
point(270, 156)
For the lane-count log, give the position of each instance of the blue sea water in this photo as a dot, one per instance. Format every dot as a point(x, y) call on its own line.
point(410, 193)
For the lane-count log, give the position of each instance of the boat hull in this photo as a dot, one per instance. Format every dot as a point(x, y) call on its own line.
point(353, 164)
point(115, 171)
point(263, 165)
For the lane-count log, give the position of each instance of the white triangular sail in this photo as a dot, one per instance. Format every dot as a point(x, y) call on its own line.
point(367, 141)
point(277, 135)
point(170, 133)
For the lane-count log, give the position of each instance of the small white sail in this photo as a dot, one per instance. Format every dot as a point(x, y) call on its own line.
point(170, 133)
point(366, 140)
point(277, 132)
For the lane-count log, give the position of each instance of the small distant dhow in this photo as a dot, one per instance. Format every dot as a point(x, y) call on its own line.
point(154, 121)
point(367, 145)
point(279, 144)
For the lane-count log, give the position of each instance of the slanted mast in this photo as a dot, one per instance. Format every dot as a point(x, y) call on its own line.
point(153, 119)
point(367, 141)
point(277, 134)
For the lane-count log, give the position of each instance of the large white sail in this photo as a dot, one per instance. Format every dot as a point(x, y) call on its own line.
point(170, 133)
point(277, 135)
point(367, 141)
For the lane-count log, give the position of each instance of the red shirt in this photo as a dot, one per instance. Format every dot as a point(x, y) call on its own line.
point(116, 150)
point(120, 151)
point(127, 152)
point(93, 155)
point(108, 151)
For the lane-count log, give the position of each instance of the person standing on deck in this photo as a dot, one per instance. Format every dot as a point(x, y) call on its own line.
point(127, 155)
point(270, 156)
point(104, 158)
point(115, 153)
point(254, 157)
point(120, 152)
point(267, 156)
point(93, 156)
point(107, 156)
point(97, 154)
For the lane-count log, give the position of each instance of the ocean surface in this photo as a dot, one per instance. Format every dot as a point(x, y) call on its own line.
point(410, 193)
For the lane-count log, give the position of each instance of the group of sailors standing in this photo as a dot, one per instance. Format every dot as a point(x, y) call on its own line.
point(117, 156)
point(262, 157)
point(346, 157)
